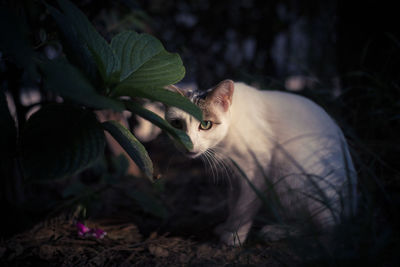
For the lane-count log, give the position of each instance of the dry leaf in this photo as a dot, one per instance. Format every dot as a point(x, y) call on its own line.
point(153, 235)
point(204, 251)
point(47, 252)
point(158, 251)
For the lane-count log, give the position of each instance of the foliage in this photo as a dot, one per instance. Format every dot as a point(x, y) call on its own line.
point(68, 139)
point(65, 138)
point(131, 145)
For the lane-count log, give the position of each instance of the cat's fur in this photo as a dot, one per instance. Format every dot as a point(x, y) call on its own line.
point(278, 140)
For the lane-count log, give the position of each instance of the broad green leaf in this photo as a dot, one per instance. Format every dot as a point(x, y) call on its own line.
point(133, 50)
point(145, 62)
point(74, 46)
point(76, 27)
point(74, 189)
point(98, 46)
point(161, 70)
point(162, 95)
point(66, 80)
point(179, 135)
point(131, 145)
point(60, 140)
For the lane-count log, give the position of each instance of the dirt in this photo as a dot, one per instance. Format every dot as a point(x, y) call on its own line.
point(56, 242)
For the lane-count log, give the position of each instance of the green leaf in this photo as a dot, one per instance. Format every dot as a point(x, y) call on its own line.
point(131, 145)
point(75, 47)
point(60, 140)
point(162, 95)
point(66, 80)
point(179, 135)
point(133, 50)
point(74, 189)
point(161, 70)
point(146, 66)
point(145, 62)
point(85, 40)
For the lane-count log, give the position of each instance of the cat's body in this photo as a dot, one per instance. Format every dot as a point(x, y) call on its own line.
point(279, 140)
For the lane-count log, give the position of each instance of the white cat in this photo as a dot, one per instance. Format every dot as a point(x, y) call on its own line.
point(278, 140)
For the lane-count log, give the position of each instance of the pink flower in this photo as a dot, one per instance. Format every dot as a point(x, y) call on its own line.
point(98, 233)
point(82, 229)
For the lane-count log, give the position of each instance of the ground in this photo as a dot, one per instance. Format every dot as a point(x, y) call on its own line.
point(56, 243)
point(169, 223)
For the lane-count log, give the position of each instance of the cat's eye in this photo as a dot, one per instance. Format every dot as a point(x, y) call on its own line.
point(205, 125)
point(178, 124)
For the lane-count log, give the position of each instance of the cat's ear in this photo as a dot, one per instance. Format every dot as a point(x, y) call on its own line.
point(174, 89)
point(222, 94)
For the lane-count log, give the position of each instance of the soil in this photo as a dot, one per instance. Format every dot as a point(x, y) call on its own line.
point(57, 243)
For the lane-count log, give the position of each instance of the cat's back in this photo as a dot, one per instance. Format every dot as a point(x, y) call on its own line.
point(287, 114)
point(293, 123)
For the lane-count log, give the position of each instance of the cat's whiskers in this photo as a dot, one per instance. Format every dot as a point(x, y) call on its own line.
point(214, 164)
point(222, 167)
point(206, 158)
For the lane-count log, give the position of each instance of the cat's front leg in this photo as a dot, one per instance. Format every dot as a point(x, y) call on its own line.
point(243, 209)
point(233, 236)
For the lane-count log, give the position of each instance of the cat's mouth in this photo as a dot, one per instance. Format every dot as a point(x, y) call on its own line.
point(192, 154)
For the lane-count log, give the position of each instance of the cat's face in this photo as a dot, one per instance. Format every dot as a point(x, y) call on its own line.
point(215, 105)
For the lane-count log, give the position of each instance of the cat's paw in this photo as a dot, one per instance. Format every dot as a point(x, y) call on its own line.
point(231, 239)
point(231, 236)
point(277, 232)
